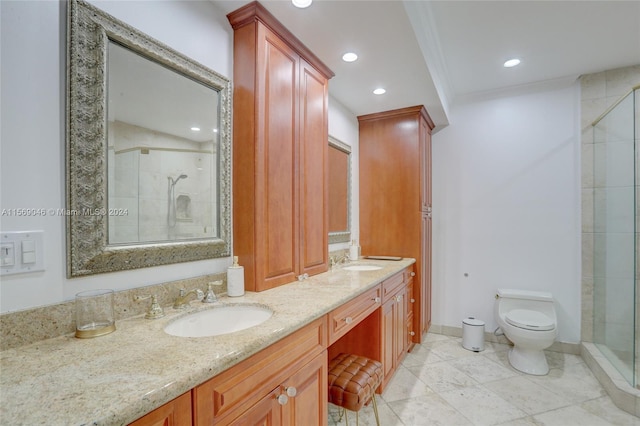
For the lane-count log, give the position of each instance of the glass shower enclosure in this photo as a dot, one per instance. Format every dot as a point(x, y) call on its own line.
point(616, 241)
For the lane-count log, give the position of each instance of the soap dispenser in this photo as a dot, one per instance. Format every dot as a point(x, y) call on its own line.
point(235, 279)
point(354, 250)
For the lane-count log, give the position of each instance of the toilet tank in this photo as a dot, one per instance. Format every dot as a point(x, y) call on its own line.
point(542, 296)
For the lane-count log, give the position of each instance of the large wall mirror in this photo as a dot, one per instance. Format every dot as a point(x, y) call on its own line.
point(339, 191)
point(148, 150)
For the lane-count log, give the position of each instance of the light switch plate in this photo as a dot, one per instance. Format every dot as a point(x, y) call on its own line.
point(25, 248)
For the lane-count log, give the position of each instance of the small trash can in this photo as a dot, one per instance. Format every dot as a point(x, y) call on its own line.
point(473, 334)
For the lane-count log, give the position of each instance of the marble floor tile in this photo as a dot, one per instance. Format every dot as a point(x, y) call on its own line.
point(606, 409)
point(482, 369)
point(441, 383)
point(482, 406)
point(429, 410)
point(449, 349)
point(442, 376)
point(420, 355)
point(575, 382)
point(404, 385)
point(572, 415)
point(529, 396)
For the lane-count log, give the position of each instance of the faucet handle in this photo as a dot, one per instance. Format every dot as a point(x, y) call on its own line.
point(155, 310)
point(210, 297)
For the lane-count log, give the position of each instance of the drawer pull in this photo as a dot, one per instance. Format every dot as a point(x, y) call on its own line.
point(291, 391)
point(413, 274)
point(413, 300)
point(376, 299)
point(413, 333)
point(348, 320)
point(398, 298)
point(282, 399)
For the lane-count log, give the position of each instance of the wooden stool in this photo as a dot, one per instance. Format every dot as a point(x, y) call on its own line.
point(353, 381)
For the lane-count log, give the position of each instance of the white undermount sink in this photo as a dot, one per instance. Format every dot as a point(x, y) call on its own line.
point(219, 320)
point(362, 267)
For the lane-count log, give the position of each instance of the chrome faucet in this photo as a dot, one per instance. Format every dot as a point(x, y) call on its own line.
point(336, 260)
point(210, 296)
point(181, 301)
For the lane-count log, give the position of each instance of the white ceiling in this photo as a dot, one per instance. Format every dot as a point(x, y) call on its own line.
point(438, 52)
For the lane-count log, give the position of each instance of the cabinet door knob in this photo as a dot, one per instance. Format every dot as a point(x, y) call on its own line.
point(413, 274)
point(282, 399)
point(413, 300)
point(348, 320)
point(398, 298)
point(376, 299)
point(291, 391)
point(413, 333)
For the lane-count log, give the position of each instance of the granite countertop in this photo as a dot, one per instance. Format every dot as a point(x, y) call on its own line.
point(117, 378)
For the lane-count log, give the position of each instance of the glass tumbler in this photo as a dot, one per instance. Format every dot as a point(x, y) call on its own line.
point(94, 313)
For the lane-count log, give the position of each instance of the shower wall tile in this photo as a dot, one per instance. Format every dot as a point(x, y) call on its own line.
point(621, 80)
point(586, 319)
point(587, 254)
point(592, 109)
point(587, 210)
point(587, 166)
point(594, 86)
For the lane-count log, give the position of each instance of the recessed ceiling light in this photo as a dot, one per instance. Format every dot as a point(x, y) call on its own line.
point(301, 3)
point(195, 129)
point(349, 57)
point(511, 63)
point(379, 91)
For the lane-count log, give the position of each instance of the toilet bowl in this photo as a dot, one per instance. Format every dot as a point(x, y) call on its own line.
point(528, 320)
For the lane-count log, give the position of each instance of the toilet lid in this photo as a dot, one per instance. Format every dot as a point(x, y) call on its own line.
point(529, 320)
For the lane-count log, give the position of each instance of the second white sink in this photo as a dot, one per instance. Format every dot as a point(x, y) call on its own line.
point(362, 268)
point(219, 320)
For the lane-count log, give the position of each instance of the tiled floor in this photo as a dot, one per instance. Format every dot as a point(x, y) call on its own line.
point(441, 383)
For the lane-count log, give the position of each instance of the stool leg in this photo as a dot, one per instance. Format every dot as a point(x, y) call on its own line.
point(357, 419)
point(375, 409)
point(346, 417)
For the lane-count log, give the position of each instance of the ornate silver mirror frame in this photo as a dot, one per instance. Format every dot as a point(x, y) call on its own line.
point(89, 31)
point(343, 236)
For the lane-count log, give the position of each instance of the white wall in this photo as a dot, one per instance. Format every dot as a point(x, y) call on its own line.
point(32, 139)
point(506, 181)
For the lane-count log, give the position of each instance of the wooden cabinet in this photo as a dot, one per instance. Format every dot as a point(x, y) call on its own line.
point(280, 382)
point(173, 413)
point(280, 150)
point(347, 316)
point(308, 387)
point(395, 196)
point(394, 329)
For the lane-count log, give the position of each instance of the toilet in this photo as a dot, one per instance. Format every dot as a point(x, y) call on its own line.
point(528, 320)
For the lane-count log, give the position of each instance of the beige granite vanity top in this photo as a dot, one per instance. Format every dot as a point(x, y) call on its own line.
point(117, 378)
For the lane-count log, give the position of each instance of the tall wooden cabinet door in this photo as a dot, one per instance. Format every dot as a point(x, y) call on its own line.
point(387, 338)
point(276, 182)
point(425, 278)
point(425, 166)
point(174, 413)
point(314, 191)
point(309, 405)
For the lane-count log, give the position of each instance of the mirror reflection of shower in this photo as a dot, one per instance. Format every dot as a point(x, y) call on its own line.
point(171, 211)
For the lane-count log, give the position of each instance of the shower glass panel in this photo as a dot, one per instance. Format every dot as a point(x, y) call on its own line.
point(615, 236)
point(164, 194)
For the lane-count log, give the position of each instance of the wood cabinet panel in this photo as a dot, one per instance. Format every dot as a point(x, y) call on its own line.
point(395, 192)
point(280, 139)
point(173, 413)
point(226, 396)
point(309, 405)
point(347, 316)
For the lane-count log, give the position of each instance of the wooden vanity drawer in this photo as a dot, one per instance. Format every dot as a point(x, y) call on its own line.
point(347, 316)
point(229, 394)
point(391, 285)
